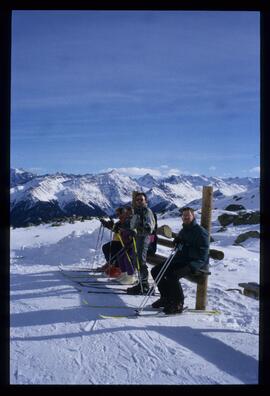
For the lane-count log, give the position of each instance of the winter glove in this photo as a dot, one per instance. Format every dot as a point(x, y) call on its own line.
point(147, 228)
point(132, 233)
point(106, 223)
point(103, 222)
point(176, 241)
point(116, 228)
point(179, 247)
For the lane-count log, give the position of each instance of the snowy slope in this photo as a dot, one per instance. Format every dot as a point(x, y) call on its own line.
point(56, 338)
point(249, 199)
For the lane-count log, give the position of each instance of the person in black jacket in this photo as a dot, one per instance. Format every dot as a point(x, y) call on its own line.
point(192, 244)
point(110, 249)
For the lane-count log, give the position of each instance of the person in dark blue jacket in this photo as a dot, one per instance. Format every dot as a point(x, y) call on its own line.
point(192, 243)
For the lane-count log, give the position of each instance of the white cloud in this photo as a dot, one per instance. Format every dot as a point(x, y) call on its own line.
point(212, 168)
point(162, 171)
point(172, 171)
point(135, 171)
point(36, 170)
point(256, 169)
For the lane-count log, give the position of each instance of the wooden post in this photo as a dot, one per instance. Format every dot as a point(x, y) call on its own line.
point(201, 295)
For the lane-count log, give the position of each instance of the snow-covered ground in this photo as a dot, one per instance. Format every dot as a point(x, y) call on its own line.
point(57, 338)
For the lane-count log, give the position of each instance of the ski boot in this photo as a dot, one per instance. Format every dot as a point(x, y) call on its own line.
point(173, 307)
point(137, 290)
point(160, 303)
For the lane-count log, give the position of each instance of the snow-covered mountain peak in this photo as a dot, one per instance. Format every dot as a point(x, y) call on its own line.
point(148, 181)
point(19, 176)
point(18, 171)
point(102, 193)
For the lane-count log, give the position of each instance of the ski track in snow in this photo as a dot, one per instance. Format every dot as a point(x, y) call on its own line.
point(56, 339)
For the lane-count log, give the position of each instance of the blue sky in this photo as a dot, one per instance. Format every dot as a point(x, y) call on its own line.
point(165, 92)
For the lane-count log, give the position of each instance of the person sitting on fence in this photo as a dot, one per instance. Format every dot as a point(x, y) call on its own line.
point(127, 261)
point(126, 258)
point(112, 248)
point(192, 244)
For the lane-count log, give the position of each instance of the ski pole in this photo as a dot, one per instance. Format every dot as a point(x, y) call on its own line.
point(122, 243)
point(99, 231)
point(156, 281)
point(138, 263)
point(110, 254)
point(125, 249)
point(95, 256)
point(121, 251)
point(136, 253)
point(110, 249)
point(98, 245)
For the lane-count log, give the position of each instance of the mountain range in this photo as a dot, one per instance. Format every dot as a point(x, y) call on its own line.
point(35, 198)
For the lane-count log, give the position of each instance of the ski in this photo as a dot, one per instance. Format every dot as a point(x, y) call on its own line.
point(81, 278)
point(79, 271)
point(90, 278)
point(107, 288)
point(86, 277)
point(96, 283)
point(135, 314)
point(87, 283)
point(102, 291)
point(160, 314)
point(117, 316)
point(80, 275)
point(73, 268)
point(204, 311)
point(132, 315)
point(195, 311)
point(108, 292)
point(107, 306)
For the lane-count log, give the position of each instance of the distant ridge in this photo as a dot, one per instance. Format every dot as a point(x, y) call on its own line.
point(36, 198)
